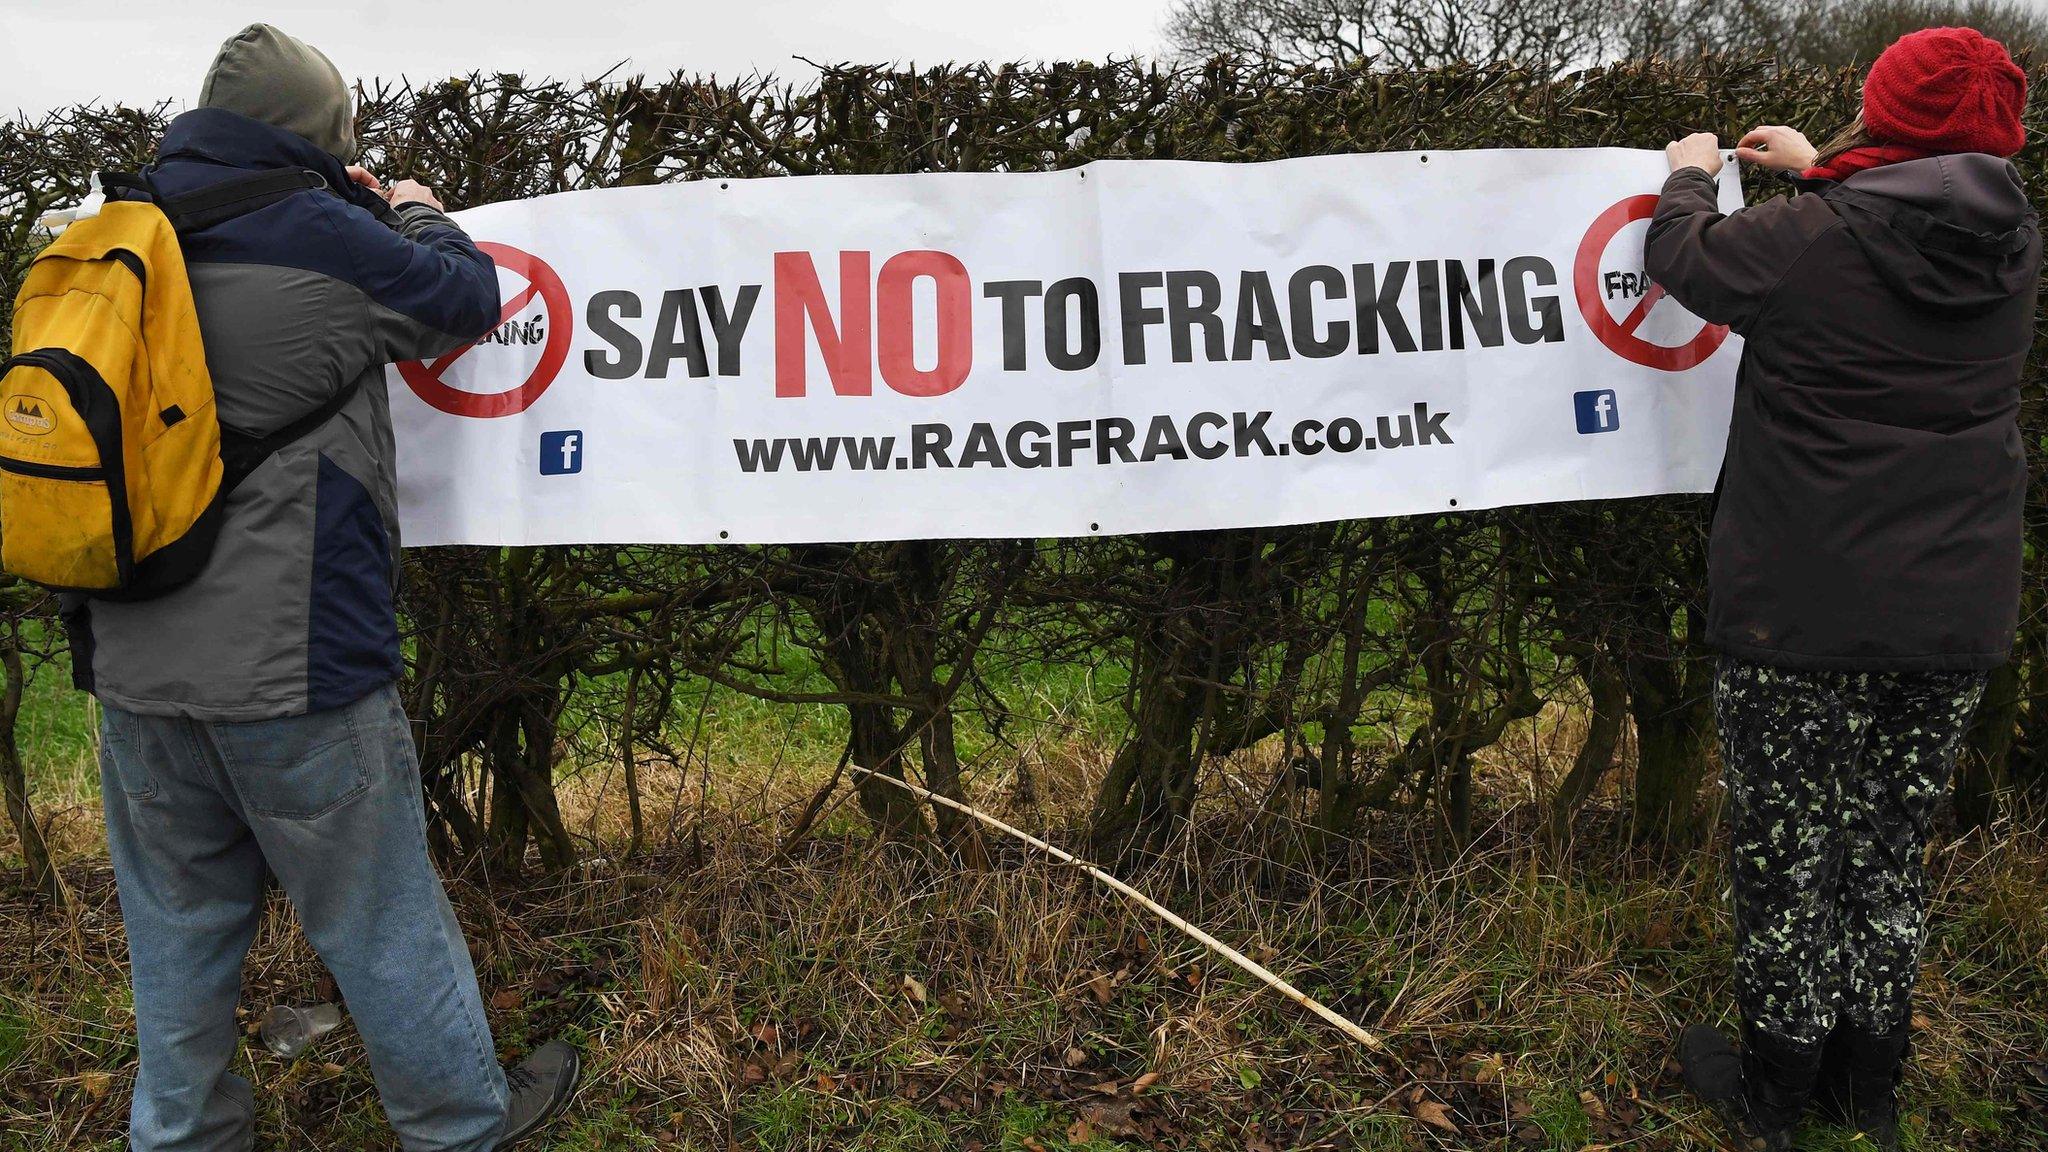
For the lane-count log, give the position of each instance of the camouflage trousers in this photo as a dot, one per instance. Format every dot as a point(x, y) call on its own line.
point(1832, 779)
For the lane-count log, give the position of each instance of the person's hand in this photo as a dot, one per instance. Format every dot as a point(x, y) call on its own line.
point(361, 175)
point(1699, 150)
point(1776, 147)
point(413, 192)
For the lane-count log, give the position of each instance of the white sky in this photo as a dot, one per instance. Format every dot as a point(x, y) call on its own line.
point(58, 52)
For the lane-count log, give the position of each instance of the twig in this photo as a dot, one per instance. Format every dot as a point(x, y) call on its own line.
point(1337, 1020)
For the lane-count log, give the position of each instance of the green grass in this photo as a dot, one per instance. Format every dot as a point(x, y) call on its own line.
point(1562, 1118)
point(55, 733)
point(795, 1118)
point(13, 1036)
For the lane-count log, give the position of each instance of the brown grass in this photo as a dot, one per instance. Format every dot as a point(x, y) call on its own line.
point(852, 995)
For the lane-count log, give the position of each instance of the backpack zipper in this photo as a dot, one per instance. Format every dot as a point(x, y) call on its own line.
point(51, 471)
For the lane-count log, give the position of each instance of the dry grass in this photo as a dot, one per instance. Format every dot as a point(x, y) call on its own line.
point(847, 995)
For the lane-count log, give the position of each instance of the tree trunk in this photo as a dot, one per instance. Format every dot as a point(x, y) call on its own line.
point(1672, 701)
point(1596, 755)
point(629, 763)
point(1981, 769)
point(537, 786)
point(508, 812)
point(1136, 805)
point(39, 873)
point(915, 636)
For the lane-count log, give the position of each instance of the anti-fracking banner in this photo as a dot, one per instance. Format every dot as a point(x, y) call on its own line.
point(1130, 346)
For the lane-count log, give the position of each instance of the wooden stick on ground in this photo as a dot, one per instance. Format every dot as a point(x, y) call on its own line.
point(1337, 1020)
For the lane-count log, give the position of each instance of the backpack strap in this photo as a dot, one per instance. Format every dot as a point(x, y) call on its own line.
point(215, 203)
point(241, 453)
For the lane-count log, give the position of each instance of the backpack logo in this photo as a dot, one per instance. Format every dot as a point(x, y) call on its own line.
point(29, 415)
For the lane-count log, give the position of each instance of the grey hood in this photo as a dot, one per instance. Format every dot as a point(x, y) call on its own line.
point(266, 75)
point(1952, 234)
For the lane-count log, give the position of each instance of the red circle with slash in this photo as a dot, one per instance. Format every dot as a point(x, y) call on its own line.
point(1620, 335)
point(426, 379)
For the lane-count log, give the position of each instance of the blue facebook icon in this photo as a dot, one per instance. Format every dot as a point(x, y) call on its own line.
point(561, 453)
point(1596, 411)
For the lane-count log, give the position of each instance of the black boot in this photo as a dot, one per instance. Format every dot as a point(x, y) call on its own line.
point(1831, 1087)
point(1859, 1081)
point(1778, 1076)
point(1713, 1072)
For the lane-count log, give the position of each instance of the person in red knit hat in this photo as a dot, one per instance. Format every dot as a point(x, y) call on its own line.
point(1864, 566)
point(1935, 92)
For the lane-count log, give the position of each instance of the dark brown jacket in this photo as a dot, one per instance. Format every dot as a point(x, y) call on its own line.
point(1869, 510)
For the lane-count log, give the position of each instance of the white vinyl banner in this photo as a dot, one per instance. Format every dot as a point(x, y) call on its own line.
point(1133, 346)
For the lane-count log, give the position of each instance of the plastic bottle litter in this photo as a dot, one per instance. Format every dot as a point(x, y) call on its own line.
point(290, 1029)
point(53, 223)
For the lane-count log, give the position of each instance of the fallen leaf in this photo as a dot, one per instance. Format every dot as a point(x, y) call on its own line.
point(1076, 1057)
point(1112, 1118)
point(1594, 1106)
point(506, 1000)
point(1657, 933)
point(1144, 1082)
point(1433, 1114)
point(763, 1033)
point(914, 988)
point(1100, 986)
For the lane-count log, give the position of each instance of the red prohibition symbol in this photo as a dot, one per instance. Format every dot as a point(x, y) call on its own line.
point(426, 379)
point(1620, 335)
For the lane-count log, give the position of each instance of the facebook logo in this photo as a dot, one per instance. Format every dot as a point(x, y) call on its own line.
point(561, 453)
point(1596, 411)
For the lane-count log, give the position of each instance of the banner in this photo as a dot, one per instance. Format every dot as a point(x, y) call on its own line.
point(1132, 346)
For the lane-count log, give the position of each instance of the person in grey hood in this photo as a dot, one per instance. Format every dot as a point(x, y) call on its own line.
point(1864, 565)
point(252, 722)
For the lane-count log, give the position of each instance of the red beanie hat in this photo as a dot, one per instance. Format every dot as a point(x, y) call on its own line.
point(1946, 90)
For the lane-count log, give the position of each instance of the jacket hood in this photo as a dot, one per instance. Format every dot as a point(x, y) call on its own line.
point(1953, 234)
point(266, 75)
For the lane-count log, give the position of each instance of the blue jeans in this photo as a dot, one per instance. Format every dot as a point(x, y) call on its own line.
point(330, 802)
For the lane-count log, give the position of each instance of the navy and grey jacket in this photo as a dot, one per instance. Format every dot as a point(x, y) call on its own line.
point(296, 302)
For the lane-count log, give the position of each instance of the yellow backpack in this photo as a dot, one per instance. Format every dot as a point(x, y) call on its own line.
point(112, 473)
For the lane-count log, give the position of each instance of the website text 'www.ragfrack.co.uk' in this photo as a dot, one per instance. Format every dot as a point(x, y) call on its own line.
point(1088, 443)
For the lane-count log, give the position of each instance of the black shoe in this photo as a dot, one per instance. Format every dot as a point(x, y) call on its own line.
point(1713, 1072)
point(541, 1089)
point(1859, 1081)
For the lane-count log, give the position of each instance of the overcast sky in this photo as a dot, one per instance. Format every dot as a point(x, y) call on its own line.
point(56, 52)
